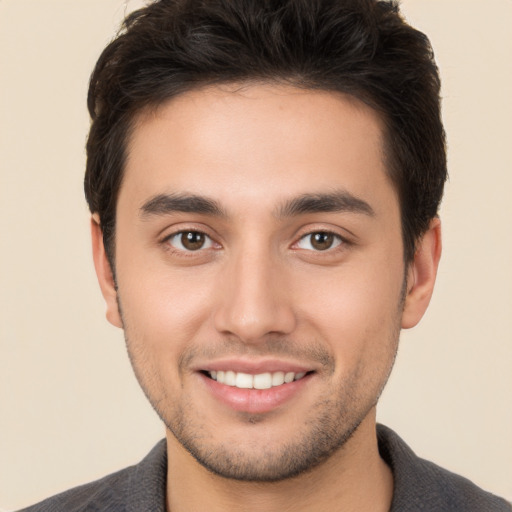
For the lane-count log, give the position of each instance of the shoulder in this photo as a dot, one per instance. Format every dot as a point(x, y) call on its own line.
point(138, 487)
point(106, 493)
point(422, 485)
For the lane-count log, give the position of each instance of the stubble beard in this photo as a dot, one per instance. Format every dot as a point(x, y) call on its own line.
point(321, 435)
point(328, 426)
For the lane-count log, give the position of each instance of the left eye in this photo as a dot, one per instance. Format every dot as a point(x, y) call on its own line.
point(319, 241)
point(190, 241)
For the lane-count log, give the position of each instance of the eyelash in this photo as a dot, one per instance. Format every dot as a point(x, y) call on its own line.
point(339, 241)
point(183, 252)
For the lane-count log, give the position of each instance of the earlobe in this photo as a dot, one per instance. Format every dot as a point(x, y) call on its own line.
point(104, 273)
point(421, 275)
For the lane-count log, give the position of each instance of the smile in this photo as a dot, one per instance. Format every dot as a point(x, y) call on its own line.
point(260, 381)
point(257, 387)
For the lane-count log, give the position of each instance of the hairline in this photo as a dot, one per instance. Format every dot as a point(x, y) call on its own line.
point(357, 97)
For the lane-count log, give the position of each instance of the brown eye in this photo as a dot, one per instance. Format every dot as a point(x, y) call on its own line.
point(190, 241)
point(319, 241)
point(322, 241)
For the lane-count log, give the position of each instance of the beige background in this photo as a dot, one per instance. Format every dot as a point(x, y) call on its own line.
point(70, 409)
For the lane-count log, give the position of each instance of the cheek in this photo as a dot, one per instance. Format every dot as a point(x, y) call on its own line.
point(166, 308)
point(357, 307)
point(161, 319)
point(355, 294)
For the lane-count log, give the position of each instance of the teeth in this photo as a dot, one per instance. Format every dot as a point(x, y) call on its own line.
point(288, 377)
point(277, 378)
point(243, 380)
point(259, 381)
point(262, 381)
point(230, 378)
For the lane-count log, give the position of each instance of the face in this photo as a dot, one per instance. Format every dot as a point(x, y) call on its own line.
point(260, 273)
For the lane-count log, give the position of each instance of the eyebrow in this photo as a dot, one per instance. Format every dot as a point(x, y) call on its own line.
point(164, 204)
point(338, 201)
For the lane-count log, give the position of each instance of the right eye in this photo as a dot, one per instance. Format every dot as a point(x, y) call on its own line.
point(190, 241)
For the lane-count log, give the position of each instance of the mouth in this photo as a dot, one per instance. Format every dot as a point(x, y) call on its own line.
point(265, 380)
point(257, 386)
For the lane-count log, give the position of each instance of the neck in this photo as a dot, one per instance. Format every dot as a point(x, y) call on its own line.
point(354, 478)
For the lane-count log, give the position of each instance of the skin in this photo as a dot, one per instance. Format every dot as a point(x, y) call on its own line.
point(259, 293)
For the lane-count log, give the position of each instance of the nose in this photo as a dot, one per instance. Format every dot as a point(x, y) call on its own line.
point(254, 299)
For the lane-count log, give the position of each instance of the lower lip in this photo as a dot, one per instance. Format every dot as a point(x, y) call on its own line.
point(255, 401)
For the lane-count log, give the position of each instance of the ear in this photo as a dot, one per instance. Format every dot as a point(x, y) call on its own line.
point(421, 275)
point(104, 273)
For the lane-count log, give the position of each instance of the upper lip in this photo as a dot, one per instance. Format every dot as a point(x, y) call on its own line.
point(254, 367)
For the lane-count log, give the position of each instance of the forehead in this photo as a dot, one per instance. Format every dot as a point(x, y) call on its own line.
point(256, 144)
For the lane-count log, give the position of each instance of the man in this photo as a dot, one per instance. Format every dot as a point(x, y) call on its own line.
point(264, 179)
